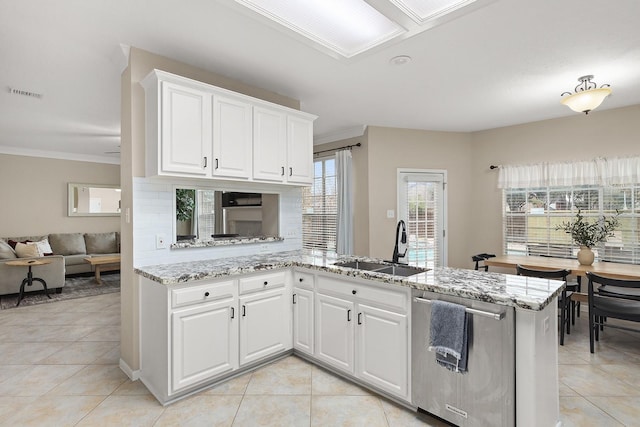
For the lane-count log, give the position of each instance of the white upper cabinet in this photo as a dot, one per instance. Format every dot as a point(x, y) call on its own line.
point(232, 137)
point(270, 144)
point(197, 130)
point(299, 150)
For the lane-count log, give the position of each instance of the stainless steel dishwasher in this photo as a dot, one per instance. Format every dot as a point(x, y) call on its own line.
point(485, 394)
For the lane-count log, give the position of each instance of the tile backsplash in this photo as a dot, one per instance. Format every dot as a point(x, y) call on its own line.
point(153, 215)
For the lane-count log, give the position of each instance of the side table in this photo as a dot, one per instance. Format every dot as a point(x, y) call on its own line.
point(30, 279)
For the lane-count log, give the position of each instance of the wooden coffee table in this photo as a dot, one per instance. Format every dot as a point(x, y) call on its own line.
point(104, 263)
point(30, 279)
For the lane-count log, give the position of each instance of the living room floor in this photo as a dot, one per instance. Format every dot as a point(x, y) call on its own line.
point(60, 367)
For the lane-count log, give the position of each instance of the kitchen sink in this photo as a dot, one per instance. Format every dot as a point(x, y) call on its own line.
point(383, 267)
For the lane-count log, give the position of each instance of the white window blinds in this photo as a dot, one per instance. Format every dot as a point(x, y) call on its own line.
point(320, 208)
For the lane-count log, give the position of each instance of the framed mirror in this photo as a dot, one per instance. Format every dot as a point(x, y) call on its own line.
point(93, 200)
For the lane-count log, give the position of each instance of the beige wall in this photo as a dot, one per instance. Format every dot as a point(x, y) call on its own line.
point(34, 195)
point(141, 63)
point(609, 133)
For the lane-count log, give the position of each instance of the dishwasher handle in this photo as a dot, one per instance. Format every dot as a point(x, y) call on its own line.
point(495, 316)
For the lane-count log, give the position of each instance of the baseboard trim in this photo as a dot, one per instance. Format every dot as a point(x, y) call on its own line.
point(133, 375)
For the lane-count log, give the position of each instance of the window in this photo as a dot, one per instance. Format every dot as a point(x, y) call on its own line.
point(421, 205)
point(320, 208)
point(531, 216)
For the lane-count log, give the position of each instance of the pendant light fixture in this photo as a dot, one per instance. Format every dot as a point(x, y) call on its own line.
point(587, 95)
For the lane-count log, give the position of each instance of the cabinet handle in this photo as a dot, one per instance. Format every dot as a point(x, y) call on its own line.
point(205, 162)
point(233, 312)
point(294, 298)
point(353, 292)
point(216, 163)
point(244, 311)
point(282, 171)
point(290, 171)
point(359, 318)
point(206, 294)
point(349, 315)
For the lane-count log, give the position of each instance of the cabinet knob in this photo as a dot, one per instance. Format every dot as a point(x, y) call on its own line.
point(301, 279)
point(353, 291)
point(206, 294)
point(266, 283)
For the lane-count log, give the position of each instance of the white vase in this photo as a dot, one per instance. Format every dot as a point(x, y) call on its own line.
point(585, 255)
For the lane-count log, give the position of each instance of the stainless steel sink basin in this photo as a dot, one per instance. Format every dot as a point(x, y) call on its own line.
point(383, 267)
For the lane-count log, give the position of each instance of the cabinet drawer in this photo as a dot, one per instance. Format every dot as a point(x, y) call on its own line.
point(263, 281)
point(395, 298)
point(203, 293)
point(303, 280)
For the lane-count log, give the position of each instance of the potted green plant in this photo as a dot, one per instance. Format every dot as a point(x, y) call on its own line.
point(185, 203)
point(587, 234)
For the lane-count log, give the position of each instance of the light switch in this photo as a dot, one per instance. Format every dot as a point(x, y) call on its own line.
point(391, 213)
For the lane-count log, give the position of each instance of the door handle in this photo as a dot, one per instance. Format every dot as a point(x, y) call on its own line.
point(282, 171)
point(349, 315)
point(216, 163)
point(205, 162)
point(359, 318)
point(290, 171)
point(244, 311)
point(233, 312)
point(294, 298)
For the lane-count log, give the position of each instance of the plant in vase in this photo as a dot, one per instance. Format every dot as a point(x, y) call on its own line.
point(588, 234)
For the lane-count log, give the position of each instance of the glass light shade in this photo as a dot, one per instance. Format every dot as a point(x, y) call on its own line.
point(585, 101)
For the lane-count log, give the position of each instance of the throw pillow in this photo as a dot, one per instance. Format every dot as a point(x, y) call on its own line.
point(44, 249)
point(24, 250)
point(67, 244)
point(13, 243)
point(6, 251)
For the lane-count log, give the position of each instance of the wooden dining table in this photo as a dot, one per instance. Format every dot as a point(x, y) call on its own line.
point(605, 268)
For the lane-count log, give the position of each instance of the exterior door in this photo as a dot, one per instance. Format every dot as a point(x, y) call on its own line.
point(422, 204)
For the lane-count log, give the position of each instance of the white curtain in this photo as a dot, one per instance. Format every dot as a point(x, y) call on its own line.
point(600, 171)
point(344, 186)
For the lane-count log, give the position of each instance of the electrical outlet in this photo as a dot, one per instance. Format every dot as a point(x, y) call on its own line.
point(546, 324)
point(160, 241)
point(391, 213)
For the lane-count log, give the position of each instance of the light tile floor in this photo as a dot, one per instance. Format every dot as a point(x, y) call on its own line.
point(59, 367)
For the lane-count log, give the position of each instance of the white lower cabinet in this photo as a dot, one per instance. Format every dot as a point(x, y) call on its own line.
point(303, 320)
point(334, 332)
point(382, 349)
point(264, 325)
point(204, 342)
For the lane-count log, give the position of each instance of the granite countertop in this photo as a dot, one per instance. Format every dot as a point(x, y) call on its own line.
point(503, 289)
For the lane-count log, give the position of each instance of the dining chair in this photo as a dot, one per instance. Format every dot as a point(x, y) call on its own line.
point(573, 287)
point(611, 298)
point(480, 258)
point(564, 302)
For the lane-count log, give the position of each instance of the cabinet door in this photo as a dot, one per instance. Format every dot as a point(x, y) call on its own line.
point(381, 348)
point(334, 332)
point(204, 343)
point(303, 320)
point(186, 130)
point(265, 319)
point(299, 150)
point(269, 144)
point(232, 137)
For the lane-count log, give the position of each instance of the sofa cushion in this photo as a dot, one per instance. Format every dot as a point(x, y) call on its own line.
point(101, 243)
point(67, 243)
point(6, 251)
point(25, 250)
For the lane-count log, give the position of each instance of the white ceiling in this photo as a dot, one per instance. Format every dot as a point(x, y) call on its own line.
point(503, 64)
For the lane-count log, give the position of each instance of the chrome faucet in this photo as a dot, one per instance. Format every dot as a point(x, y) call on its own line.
point(401, 237)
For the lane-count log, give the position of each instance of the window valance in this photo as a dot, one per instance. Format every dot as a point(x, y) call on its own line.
point(599, 171)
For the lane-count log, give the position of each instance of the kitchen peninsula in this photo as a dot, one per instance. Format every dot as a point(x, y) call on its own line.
point(203, 322)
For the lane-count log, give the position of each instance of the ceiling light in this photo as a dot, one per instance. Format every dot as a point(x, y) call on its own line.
point(400, 60)
point(587, 95)
point(347, 27)
point(422, 11)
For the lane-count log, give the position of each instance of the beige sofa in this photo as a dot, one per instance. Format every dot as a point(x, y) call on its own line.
point(69, 251)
